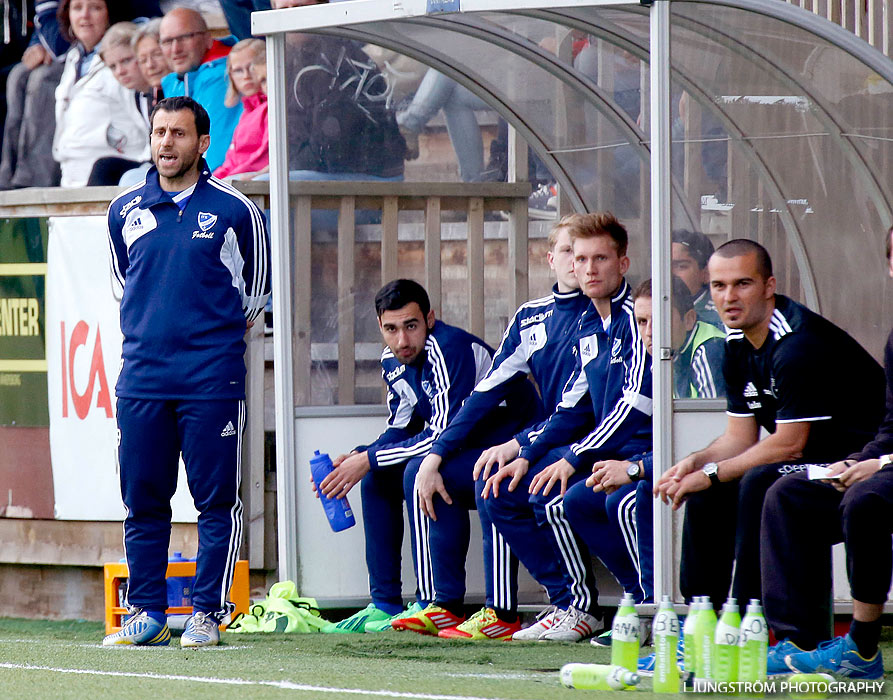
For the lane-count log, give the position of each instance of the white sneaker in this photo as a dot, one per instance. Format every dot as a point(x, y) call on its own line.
point(201, 631)
point(573, 626)
point(545, 621)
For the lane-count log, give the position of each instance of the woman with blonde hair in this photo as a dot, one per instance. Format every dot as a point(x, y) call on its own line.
point(249, 152)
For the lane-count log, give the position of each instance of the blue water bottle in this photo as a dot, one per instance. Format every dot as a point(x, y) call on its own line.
point(179, 588)
point(337, 510)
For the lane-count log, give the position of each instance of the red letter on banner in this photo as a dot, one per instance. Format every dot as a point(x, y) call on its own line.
point(64, 375)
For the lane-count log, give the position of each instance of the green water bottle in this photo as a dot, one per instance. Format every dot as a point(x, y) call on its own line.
point(665, 630)
point(810, 686)
point(625, 635)
point(704, 633)
point(725, 643)
point(688, 637)
point(598, 677)
point(753, 646)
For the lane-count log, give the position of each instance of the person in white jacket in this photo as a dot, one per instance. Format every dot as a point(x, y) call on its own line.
point(96, 116)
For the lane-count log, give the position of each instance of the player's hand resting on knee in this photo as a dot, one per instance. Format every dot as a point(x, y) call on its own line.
point(498, 456)
point(559, 472)
point(609, 475)
point(428, 481)
point(515, 469)
point(348, 471)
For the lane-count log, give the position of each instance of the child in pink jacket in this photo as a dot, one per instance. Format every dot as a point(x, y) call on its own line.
point(249, 152)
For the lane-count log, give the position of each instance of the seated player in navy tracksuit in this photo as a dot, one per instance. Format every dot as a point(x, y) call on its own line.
point(698, 350)
point(538, 341)
point(430, 368)
point(611, 389)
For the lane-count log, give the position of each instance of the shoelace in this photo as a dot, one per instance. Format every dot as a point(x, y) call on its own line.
point(483, 617)
point(201, 621)
point(551, 611)
point(570, 619)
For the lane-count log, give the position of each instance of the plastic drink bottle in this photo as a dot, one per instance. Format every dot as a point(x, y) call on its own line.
point(705, 631)
point(337, 509)
point(725, 643)
point(688, 637)
point(665, 630)
point(179, 594)
point(179, 588)
point(625, 635)
point(598, 677)
point(810, 686)
point(753, 645)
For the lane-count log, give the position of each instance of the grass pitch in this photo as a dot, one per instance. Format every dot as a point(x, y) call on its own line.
point(66, 660)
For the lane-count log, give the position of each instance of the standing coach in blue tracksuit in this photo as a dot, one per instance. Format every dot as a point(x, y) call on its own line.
point(191, 257)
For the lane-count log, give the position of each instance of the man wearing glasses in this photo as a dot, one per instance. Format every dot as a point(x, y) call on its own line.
point(198, 63)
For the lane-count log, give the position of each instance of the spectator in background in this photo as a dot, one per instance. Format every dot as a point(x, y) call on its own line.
point(238, 15)
point(117, 53)
point(334, 131)
point(16, 25)
point(690, 252)
point(27, 159)
point(436, 93)
point(96, 116)
point(151, 59)
point(249, 152)
point(199, 71)
point(153, 67)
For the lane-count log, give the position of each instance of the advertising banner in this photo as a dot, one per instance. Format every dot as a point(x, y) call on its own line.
point(22, 328)
point(83, 358)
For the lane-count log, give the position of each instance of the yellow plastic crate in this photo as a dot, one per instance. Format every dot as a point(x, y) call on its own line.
point(115, 572)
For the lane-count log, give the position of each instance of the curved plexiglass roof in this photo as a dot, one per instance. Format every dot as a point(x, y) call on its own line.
point(781, 122)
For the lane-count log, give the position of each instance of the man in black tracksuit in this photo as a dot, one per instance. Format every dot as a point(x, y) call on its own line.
point(815, 391)
point(801, 520)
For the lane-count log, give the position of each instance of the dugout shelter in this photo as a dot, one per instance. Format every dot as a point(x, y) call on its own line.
point(741, 118)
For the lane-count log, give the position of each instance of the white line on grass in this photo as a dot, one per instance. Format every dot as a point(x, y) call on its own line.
point(129, 647)
point(285, 685)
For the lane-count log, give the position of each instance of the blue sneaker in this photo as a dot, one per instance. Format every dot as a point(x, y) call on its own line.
point(840, 657)
point(775, 665)
point(646, 663)
point(202, 630)
point(142, 630)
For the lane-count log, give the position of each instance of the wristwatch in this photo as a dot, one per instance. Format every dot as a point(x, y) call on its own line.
point(634, 471)
point(885, 460)
point(711, 469)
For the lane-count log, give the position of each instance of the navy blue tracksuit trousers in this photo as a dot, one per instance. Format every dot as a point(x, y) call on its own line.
point(448, 537)
point(153, 433)
point(538, 532)
point(439, 547)
point(607, 524)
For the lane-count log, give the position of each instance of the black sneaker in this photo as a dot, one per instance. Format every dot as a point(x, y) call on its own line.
point(601, 640)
